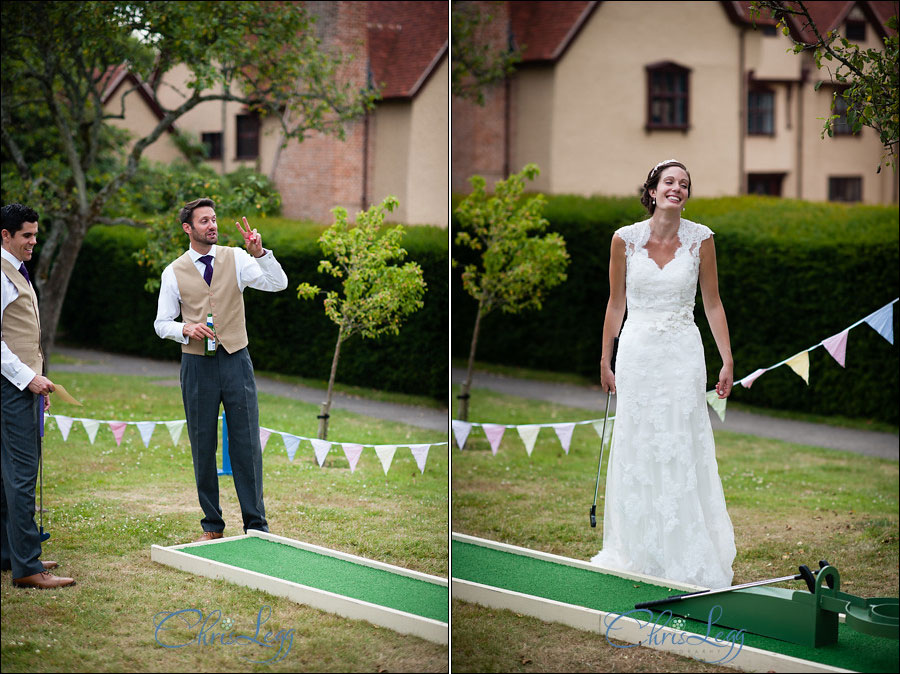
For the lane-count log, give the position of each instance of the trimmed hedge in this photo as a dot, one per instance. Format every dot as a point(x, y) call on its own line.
point(108, 308)
point(791, 273)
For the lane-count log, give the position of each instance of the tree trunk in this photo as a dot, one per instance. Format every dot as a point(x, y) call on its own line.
point(53, 290)
point(464, 393)
point(326, 406)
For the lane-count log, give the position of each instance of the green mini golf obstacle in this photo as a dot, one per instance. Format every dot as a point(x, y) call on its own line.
point(600, 600)
point(806, 618)
point(354, 587)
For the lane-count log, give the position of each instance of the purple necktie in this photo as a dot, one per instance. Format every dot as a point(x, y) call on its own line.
point(207, 275)
point(25, 273)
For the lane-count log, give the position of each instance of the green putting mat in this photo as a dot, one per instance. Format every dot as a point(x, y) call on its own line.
point(322, 572)
point(605, 592)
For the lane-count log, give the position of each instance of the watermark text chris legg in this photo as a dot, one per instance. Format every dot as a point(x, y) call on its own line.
point(658, 636)
point(192, 619)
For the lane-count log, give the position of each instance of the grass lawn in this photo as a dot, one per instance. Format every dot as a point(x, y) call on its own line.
point(106, 505)
point(790, 504)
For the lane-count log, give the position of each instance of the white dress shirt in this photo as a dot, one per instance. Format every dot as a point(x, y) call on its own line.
point(262, 273)
point(17, 372)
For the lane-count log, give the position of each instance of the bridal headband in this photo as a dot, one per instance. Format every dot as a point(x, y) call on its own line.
point(662, 163)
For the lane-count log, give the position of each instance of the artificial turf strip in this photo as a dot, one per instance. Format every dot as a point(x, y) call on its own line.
point(603, 592)
point(322, 572)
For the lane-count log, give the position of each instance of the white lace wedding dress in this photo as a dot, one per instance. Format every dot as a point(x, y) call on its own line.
point(664, 512)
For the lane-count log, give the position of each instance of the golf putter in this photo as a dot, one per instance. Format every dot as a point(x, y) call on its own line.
point(44, 535)
point(605, 417)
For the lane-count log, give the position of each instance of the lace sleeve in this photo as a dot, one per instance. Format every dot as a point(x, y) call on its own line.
point(693, 235)
point(631, 235)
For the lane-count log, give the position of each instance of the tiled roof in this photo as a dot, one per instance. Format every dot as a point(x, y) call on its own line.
point(406, 42)
point(827, 15)
point(545, 29)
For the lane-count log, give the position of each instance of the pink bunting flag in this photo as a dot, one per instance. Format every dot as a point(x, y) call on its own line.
point(264, 434)
point(836, 345)
point(494, 433)
point(64, 424)
point(352, 451)
point(420, 454)
point(747, 381)
point(118, 430)
point(564, 433)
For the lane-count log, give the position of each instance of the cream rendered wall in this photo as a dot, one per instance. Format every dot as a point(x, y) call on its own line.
point(532, 122)
point(139, 121)
point(778, 153)
point(767, 56)
point(599, 144)
point(390, 124)
point(427, 176)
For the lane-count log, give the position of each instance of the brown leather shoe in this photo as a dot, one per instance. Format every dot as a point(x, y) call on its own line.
point(49, 565)
point(43, 581)
point(209, 536)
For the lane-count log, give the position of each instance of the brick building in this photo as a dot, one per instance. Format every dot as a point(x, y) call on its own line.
point(605, 90)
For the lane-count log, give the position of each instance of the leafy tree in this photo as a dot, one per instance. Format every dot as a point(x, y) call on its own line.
point(871, 75)
point(516, 266)
point(377, 295)
point(476, 63)
point(62, 157)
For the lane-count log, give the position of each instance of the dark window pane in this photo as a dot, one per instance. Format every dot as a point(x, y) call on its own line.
point(845, 189)
point(213, 143)
point(247, 136)
point(856, 31)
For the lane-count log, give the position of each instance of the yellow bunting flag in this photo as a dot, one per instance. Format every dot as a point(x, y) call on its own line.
point(800, 365)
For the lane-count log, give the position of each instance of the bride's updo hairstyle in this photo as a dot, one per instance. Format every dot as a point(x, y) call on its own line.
point(653, 180)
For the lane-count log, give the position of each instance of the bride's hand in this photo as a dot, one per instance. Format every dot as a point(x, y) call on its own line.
point(726, 381)
point(607, 380)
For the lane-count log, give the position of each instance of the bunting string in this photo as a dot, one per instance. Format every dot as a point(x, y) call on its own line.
point(352, 450)
point(882, 321)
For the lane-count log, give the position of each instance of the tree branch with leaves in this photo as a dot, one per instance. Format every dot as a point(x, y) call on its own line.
point(517, 265)
point(871, 76)
point(376, 295)
point(477, 61)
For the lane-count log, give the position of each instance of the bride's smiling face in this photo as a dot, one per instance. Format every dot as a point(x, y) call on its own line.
point(673, 189)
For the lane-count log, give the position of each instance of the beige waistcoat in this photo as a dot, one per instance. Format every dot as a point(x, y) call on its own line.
point(222, 298)
point(22, 321)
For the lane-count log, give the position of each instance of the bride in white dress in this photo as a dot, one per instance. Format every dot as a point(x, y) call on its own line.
point(664, 512)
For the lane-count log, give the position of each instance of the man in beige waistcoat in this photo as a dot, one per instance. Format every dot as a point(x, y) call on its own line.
point(204, 285)
point(24, 391)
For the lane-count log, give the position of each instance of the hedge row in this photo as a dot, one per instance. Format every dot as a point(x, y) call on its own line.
point(790, 274)
point(107, 307)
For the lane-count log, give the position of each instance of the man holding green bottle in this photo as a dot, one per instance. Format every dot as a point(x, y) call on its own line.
point(206, 286)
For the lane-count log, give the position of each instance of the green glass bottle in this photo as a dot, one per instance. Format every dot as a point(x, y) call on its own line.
point(210, 341)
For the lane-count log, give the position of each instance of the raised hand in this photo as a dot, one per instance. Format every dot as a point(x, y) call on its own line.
point(252, 239)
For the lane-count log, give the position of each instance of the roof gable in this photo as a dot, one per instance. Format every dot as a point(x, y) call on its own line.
point(544, 30)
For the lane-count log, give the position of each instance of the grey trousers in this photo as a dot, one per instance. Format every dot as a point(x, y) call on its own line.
point(20, 541)
point(207, 381)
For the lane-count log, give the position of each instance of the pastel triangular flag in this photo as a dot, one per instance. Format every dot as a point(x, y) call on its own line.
point(91, 426)
point(321, 448)
point(800, 365)
point(564, 433)
point(145, 428)
point(529, 433)
point(718, 404)
point(118, 430)
point(174, 429)
point(747, 381)
point(264, 434)
point(461, 431)
point(291, 442)
point(385, 454)
point(420, 454)
point(607, 437)
point(64, 424)
point(883, 321)
point(494, 433)
point(836, 345)
point(352, 451)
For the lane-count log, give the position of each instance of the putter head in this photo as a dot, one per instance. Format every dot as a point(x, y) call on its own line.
point(593, 516)
point(44, 535)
